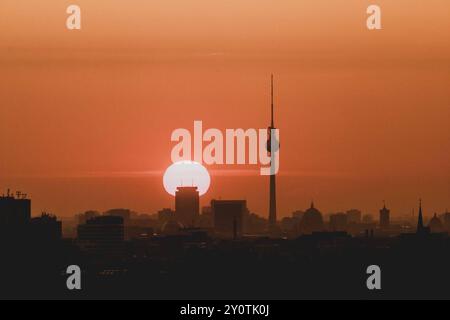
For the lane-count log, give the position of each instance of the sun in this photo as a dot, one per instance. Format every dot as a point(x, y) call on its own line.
point(186, 174)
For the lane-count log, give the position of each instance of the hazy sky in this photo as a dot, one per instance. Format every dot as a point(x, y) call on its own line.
point(86, 116)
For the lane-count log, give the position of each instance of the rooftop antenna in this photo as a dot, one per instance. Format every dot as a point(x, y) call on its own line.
point(271, 102)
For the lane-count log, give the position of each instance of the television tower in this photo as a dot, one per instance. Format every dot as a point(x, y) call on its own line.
point(273, 196)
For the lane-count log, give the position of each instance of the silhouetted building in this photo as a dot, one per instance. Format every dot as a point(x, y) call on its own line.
point(254, 224)
point(338, 222)
point(367, 219)
point(446, 220)
point(165, 215)
point(14, 211)
point(228, 217)
point(385, 217)
point(104, 232)
point(312, 221)
point(354, 216)
point(187, 205)
point(421, 229)
point(83, 217)
point(46, 228)
point(206, 218)
point(298, 214)
point(15, 215)
point(172, 228)
point(435, 225)
point(125, 214)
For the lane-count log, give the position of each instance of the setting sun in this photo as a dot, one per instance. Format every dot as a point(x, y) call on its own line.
point(186, 173)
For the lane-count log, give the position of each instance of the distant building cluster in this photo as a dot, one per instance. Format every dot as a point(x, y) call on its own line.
point(356, 224)
point(222, 219)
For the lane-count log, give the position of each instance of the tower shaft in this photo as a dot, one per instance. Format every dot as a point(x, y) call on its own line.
point(272, 204)
point(272, 192)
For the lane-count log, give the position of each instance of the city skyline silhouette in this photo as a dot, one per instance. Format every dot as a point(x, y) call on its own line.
point(94, 206)
point(210, 252)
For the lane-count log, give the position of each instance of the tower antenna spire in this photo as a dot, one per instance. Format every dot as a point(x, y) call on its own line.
point(271, 98)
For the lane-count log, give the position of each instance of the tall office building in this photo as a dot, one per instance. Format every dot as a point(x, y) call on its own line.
point(14, 210)
point(187, 206)
point(385, 217)
point(228, 217)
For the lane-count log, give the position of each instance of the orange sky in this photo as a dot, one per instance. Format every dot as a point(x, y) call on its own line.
point(363, 115)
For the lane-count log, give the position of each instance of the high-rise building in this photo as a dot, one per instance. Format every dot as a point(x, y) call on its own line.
point(385, 217)
point(14, 210)
point(228, 217)
point(187, 206)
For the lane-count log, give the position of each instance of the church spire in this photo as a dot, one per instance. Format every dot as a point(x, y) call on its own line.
point(420, 226)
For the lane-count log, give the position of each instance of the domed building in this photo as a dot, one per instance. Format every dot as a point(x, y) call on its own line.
point(311, 221)
point(436, 225)
point(172, 228)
